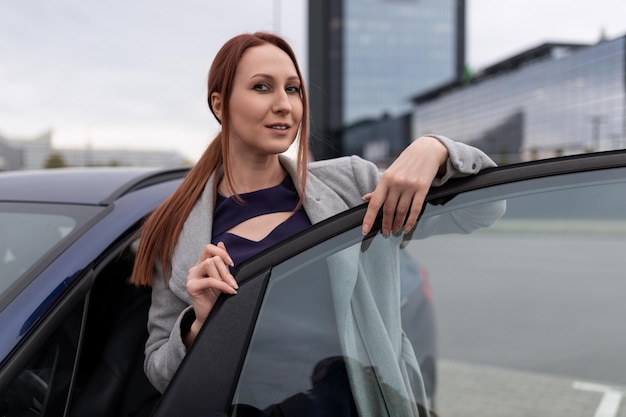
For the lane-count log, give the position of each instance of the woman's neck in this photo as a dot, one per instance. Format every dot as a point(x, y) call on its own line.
point(248, 178)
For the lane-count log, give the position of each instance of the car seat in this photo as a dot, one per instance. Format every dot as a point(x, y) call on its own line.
point(111, 379)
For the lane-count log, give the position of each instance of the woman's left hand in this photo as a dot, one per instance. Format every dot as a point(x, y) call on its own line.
point(403, 186)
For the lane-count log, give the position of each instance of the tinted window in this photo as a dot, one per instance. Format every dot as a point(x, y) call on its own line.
point(28, 232)
point(326, 331)
point(530, 311)
point(27, 237)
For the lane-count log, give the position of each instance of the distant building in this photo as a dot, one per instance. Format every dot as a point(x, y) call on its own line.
point(368, 58)
point(33, 153)
point(121, 157)
point(554, 99)
point(11, 158)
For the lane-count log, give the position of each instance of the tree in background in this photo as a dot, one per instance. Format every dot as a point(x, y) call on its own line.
point(55, 160)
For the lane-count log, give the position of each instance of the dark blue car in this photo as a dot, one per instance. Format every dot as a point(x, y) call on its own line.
point(525, 263)
point(72, 328)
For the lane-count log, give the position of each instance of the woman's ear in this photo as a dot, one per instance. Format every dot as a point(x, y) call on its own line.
point(216, 105)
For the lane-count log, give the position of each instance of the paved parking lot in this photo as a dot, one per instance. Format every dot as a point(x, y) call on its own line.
point(473, 391)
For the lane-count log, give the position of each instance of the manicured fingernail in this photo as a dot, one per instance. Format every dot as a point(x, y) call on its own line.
point(233, 282)
point(366, 229)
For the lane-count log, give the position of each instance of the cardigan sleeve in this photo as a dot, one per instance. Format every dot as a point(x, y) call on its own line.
point(164, 349)
point(463, 160)
point(349, 178)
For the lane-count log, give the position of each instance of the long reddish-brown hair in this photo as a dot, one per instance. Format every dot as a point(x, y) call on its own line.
point(161, 230)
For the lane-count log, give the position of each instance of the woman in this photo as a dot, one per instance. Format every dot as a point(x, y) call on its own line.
point(246, 195)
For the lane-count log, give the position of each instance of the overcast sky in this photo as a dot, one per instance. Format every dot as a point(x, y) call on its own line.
point(132, 73)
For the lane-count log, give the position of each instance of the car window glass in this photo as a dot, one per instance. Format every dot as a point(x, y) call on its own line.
point(25, 238)
point(529, 311)
point(42, 387)
point(318, 344)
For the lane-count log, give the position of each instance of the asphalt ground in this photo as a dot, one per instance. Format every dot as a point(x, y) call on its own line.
point(480, 391)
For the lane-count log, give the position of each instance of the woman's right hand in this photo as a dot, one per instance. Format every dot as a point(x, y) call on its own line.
point(209, 277)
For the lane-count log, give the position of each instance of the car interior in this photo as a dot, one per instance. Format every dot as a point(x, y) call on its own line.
point(110, 380)
point(104, 363)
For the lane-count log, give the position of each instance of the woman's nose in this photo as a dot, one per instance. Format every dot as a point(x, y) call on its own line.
point(281, 102)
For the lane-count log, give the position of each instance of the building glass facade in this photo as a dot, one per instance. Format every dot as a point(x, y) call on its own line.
point(569, 100)
point(393, 50)
point(368, 58)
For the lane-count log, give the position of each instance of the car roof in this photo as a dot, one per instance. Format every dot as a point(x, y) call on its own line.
point(89, 185)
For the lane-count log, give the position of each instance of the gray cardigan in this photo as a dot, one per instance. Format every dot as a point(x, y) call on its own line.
point(332, 186)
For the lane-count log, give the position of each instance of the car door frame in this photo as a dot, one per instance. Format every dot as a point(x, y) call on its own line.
point(205, 386)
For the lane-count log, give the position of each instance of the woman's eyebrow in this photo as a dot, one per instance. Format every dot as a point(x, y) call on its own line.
point(271, 77)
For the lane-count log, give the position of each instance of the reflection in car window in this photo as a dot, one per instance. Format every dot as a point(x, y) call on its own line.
point(25, 238)
point(332, 330)
point(317, 344)
point(530, 311)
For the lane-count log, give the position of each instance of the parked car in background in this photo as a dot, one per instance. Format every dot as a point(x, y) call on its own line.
point(525, 265)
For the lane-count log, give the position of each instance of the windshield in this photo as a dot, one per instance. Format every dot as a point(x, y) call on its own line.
point(29, 232)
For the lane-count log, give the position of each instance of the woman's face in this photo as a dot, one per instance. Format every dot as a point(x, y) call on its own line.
point(265, 103)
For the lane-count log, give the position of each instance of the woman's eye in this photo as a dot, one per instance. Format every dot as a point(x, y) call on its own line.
point(293, 89)
point(261, 87)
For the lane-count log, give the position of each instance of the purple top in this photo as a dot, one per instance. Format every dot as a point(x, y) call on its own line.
point(229, 213)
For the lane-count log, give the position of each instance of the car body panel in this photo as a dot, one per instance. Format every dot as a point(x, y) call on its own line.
point(93, 186)
point(43, 287)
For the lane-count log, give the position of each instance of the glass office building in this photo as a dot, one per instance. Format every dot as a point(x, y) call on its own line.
point(368, 58)
point(552, 100)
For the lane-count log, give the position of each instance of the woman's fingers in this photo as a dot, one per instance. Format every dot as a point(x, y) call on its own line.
point(401, 211)
point(197, 287)
point(390, 211)
point(216, 268)
point(211, 250)
point(210, 276)
point(416, 209)
point(403, 186)
point(214, 262)
point(215, 271)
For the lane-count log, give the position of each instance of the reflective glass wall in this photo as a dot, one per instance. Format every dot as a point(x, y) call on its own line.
point(368, 58)
point(569, 101)
point(393, 50)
